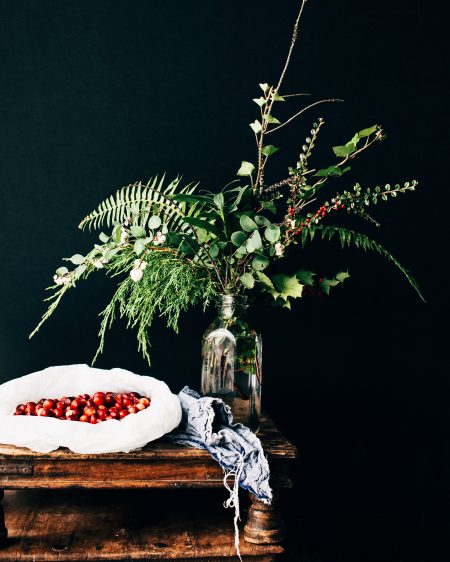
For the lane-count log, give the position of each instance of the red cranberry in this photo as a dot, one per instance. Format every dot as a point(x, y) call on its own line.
point(101, 414)
point(84, 418)
point(127, 400)
point(99, 398)
point(110, 399)
point(139, 407)
point(93, 419)
point(132, 410)
point(123, 413)
point(71, 413)
point(76, 404)
point(90, 411)
point(146, 401)
point(30, 408)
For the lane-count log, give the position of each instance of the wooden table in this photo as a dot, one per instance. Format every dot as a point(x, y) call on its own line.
point(54, 513)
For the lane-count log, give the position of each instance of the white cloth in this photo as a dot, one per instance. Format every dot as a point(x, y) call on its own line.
point(47, 434)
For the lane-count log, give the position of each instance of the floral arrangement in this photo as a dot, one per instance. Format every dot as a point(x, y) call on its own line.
point(173, 245)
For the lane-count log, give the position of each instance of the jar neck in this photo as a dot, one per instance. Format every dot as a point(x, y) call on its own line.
point(232, 305)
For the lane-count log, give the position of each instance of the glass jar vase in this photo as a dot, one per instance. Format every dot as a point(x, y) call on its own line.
point(231, 361)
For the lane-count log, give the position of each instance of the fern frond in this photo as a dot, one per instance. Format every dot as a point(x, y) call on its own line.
point(349, 237)
point(138, 201)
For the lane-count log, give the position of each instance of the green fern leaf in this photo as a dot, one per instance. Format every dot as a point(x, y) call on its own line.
point(362, 241)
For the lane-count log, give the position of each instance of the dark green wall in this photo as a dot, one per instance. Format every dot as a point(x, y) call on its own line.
point(96, 94)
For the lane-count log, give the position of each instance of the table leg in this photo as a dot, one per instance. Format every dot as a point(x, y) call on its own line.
point(3, 529)
point(264, 522)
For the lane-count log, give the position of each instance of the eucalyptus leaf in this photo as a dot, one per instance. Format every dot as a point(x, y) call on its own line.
point(260, 262)
point(138, 231)
point(254, 242)
point(248, 280)
point(62, 271)
point(154, 222)
point(247, 223)
point(103, 237)
point(76, 259)
point(264, 87)
point(78, 272)
point(139, 247)
point(272, 233)
point(262, 221)
point(214, 251)
point(238, 238)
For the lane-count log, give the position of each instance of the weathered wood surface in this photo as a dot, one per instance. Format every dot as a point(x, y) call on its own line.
point(3, 530)
point(159, 465)
point(274, 443)
point(123, 525)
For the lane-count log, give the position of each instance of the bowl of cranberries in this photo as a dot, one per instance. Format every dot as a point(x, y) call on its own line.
point(100, 407)
point(115, 410)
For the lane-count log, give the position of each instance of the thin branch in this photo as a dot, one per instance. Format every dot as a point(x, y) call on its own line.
point(331, 100)
point(291, 48)
point(294, 95)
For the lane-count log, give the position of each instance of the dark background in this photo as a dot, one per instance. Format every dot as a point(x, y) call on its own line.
point(97, 94)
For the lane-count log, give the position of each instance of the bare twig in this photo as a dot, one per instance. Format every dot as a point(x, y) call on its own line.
point(292, 45)
point(331, 100)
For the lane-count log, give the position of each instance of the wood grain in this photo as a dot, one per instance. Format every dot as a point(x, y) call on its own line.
point(274, 443)
point(127, 525)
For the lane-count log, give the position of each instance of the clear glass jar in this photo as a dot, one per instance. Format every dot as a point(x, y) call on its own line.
point(232, 357)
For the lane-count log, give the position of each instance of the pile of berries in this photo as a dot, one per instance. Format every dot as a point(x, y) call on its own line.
point(102, 406)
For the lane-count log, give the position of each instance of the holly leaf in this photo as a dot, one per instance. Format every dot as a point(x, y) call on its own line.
point(287, 286)
point(305, 277)
point(265, 280)
point(342, 276)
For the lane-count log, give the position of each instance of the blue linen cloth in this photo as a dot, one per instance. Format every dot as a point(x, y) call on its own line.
point(207, 423)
